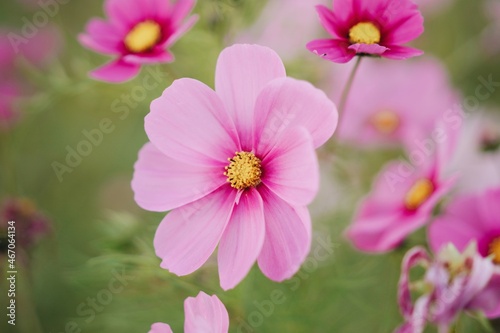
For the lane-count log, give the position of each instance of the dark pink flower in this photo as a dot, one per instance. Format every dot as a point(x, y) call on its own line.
point(237, 166)
point(368, 27)
point(137, 33)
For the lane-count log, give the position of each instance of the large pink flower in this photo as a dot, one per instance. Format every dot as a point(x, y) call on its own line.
point(138, 32)
point(368, 27)
point(473, 217)
point(204, 314)
point(237, 166)
point(454, 282)
point(394, 110)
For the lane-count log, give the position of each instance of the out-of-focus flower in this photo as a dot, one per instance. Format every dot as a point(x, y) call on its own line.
point(492, 31)
point(137, 33)
point(368, 27)
point(454, 282)
point(472, 217)
point(237, 165)
point(203, 314)
point(278, 19)
point(432, 6)
point(9, 116)
point(386, 108)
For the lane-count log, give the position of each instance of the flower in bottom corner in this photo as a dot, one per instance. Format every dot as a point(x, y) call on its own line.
point(204, 314)
point(455, 282)
point(237, 167)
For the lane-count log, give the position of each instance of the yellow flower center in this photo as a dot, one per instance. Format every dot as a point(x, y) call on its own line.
point(418, 194)
point(386, 122)
point(143, 37)
point(495, 250)
point(244, 170)
point(364, 33)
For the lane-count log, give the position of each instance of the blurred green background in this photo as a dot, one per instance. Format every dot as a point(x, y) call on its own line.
point(98, 232)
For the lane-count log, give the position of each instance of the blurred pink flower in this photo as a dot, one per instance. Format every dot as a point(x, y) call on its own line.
point(368, 27)
point(454, 282)
point(137, 33)
point(9, 115)
point(385, 108)
point(472, 217)
point(237, 165)
point(204, 314)
point(492, 31)
point(432, 6)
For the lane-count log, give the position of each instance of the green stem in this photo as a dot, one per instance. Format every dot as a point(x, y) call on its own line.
point(348, 86)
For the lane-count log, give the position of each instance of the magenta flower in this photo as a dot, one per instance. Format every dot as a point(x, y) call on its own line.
point(237, 166)
point(389, 118)
point(368, 27)
point(473, 217)
point(454, 282)
point(203, 314)
point(137, 33)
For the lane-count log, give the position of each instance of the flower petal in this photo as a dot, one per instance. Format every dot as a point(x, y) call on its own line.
point(242, 240)
point(241, 74)
point(488, 299)
point(159, 56)
point(188, 235)
point(160, 328)
point(335, 50)
point(125, 13)
point(117, 71)
point(189, 123)
point(180, 31)
point(287, 239)
point(180, 10)
point(398, 52)
point(102, 36)
point(161, 183)
point(372, 49)
point(205, 314)
point(291, 168)
point(286, 103)
point(402, 23)
point(329, 21)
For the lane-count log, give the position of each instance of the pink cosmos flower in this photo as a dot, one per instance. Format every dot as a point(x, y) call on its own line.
point(472, 217)
point(237, 166)
point(368, 27)
point(454, 282)
point(393, 109)
point(204, 314)
point(138, 32)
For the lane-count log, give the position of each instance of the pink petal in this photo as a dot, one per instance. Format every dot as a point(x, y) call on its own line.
point(398, 52)
point(160, 56)
point(332, 49)
point(101, 36)
point(160, 328)
point(404, 24)
point(188, 235)
point(417, 321)
point(372, 49)
point(205, 314)
point(161, 183)
point(116, 72)
point(488, 300)
point(96, 46)
point(189, 123)
point(291, 168)
point(180, 31)
point(180, 10)
point(242, 72)
point(287, 239)
point(329, 21)
point(242, 240)
point(125, 13)
point(285, 103)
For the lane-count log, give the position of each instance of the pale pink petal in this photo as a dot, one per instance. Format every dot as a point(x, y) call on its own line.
point(205, 314)
point(332, 49)
point(287, 239)
point(89, 42)
point(189, 123)
point(372, 49)
point(453, 228)
point(180, 10)
point(188, 235)
point(479, 278)
point(116, 72)
point(488, 300)
point(160, 328)
point(417, 321)
point(286, 103)
point(101, 36)
point(242, 240)
point(291, 168)
point(158, 57)
point(180, 31)
point(398, 52)
point(242, 72)
point(161, 183)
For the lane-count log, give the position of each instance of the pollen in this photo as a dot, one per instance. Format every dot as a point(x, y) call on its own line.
point(143, 37)
point(244, 170)
point(364, 33)
point(495, 250)
point(418, 194)
point(385, 122)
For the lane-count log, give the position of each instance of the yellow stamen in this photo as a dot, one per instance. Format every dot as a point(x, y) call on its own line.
point(495, 250)
point(386, 122)
point(143, 37)
point(364, 33)
point(418, 194)
point(244, 170)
